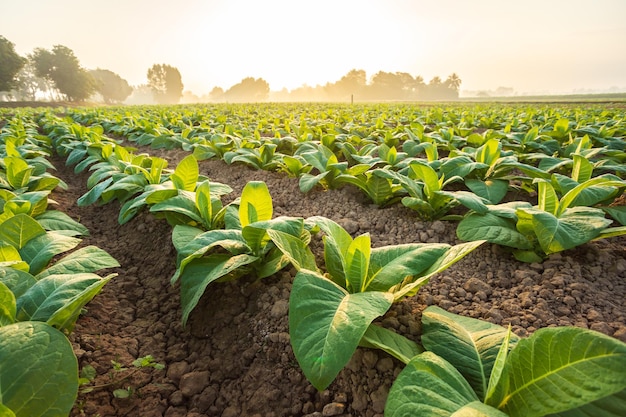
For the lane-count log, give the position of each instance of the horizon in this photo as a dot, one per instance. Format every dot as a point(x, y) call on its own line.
point(490, 45)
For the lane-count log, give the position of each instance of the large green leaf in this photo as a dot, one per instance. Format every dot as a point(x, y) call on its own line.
point(610, 406)
point(86, 259)
point(19, 229)
point(59, 295)
point(17, 280)
point(186, 174)
point(39, 372)
point(39, 251)
point(491, 228)
point(390, 265)
point(492, 190)
point(428, 386)
point(395, 344)
point(256, 203)
point(451, 256)
point(201, 272)
point(94, 193)
point(470, 345)
point(183, 234)
point(230, 240)
point(65, 317)
point(181, 204)
point(294, 248)
point(557, 369)
point(326, 324)
point(55, 220)
point(574, 227)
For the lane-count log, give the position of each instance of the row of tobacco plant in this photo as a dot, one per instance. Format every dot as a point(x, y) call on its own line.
point(40, 299)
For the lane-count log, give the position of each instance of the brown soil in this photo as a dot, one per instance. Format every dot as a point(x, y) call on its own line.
point(234, 357)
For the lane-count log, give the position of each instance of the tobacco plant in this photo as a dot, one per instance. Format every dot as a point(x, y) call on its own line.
point(243, 248)
point(553, 225)
point(475, 368)
point(331, 313)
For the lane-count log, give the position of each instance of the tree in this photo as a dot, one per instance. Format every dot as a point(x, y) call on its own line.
point(166, 83)
point(27, 84)
point(112, 87)
point(63, 68)
point(248, 89)
point(10, 64)
point(353, 83)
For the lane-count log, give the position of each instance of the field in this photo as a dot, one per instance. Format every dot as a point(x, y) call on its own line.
point(368, 168)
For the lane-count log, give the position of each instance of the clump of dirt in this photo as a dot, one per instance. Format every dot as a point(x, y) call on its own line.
point(234, 356)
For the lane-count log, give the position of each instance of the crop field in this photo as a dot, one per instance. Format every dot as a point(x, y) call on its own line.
point(313, 259)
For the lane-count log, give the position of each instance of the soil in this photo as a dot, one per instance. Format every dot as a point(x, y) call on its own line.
point(234, 357)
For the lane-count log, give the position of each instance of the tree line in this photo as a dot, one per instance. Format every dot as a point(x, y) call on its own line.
point(57, 75)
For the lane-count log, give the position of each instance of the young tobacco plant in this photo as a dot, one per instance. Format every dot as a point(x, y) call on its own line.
point(475, 368)
point(182, 197)
point(244, 247)
point(331, 313)
point(553, 225)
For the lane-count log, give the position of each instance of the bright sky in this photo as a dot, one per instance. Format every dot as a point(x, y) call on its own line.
point(531, 46)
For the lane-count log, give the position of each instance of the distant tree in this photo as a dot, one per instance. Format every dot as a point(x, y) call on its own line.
point(28, 84)
point(353, 83)
point(249, 89)
point(10, 64)
point(453, 82)
point(63, 68)
point(166, 83)
point(142, 94)
point(112, 87)
point(216, 94)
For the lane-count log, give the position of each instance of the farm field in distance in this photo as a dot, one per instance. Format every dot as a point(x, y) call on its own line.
point(539, 183)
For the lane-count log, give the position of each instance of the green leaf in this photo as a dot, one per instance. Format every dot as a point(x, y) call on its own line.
point(557, 369)
point(617, 212)
point(65, 317)
point(452, 255)
point(86, 259)
point(470, 345)
point(7, 305)
point(357, 263)
point(58, 298)
point(256, 203)
point(428, 386)
point(498, 365)
point(491, 228)
point(547, 198)
point(94, 193)
point(19, 229)
point(326, 324)
point(18, 281)
point(477, 409)
point(391, 265)
point(55, 220)
point(491, 190)
point(203, 202)
point(294, 248)
point(201, 272)
point(183, 234)
point(182, 204)
point(610, 406)
point(573, 228)
point(186, 174)
point(39, 375)
point(39, 251)
point(582, 169)
point(396, 345)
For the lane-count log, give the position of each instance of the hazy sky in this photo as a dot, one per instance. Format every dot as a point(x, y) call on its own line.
point(530, 45)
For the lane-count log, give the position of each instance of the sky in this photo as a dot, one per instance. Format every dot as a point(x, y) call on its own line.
point(531, 46)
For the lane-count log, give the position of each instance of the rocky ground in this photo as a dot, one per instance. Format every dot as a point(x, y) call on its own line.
point(234, 357)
